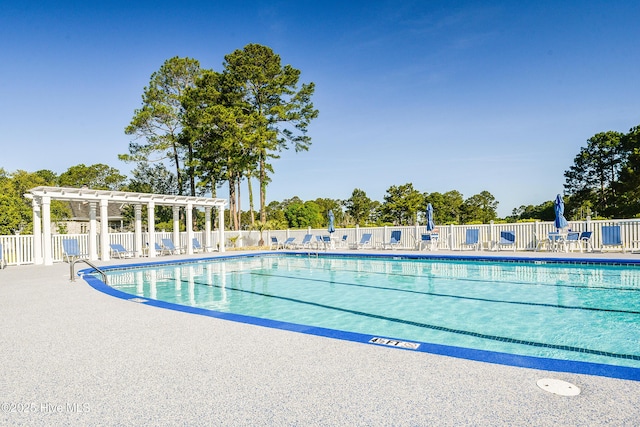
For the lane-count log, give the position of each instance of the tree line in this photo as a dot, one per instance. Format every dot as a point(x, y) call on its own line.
point(402, 205)
point(215, 128)
point(603, 182)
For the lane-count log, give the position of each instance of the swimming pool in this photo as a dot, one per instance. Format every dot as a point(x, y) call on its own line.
point(556, 316)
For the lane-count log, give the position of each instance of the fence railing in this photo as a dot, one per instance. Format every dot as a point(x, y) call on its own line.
point(19, 250)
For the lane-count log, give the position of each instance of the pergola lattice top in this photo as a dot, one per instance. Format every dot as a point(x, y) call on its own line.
point(89, 195)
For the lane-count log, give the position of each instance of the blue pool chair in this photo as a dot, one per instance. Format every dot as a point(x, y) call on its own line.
point(288, 244)
point(120, 251)
point(572, 239)
point(507, 240)
point(276, 244)
point(306, 242)
point(197, 247)
point(365, 242)
point(394, 241)
point(71, 250)
point(159, 249)
point(585, 240)
point(611, 237)
point(472, 239)
point(429, 240)
point(168, 245)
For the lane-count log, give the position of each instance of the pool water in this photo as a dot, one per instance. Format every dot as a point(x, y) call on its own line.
point(588, 313)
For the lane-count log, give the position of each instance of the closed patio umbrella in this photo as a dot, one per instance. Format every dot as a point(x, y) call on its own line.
point(430, 224)
point(561, 221)
point(332, 218)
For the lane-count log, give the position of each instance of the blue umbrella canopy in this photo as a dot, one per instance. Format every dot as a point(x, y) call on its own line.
point(430, 224)
point(561, 221)
point(332, 219)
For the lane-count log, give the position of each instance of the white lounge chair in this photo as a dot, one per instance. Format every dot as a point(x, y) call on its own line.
point(507, 240)
point(394, 241)
point(611, 237)
point(170, 247)
point(585, 240)
point(276, 244)
point(289, 243)
point(159, 249)
point(429, 240)
point(71, 250)
point(305, 243)
point(120, 251)
point(472, 239)
point(197, 247)
point(572, 239)
point(365, 242)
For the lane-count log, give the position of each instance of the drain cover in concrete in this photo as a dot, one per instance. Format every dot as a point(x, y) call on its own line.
point(558, 387)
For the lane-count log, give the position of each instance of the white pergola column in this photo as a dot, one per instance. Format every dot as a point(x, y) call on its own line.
point(189, 216)
point(46, 230)
point(137, 209)
point(93, 232)
point(37, 231)
point(176, 226)
point(207, 227)
point(151, 221)
point(104, 230)
point(221, 228)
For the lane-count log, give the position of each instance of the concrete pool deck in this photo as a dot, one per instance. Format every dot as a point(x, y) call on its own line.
point(71, 355)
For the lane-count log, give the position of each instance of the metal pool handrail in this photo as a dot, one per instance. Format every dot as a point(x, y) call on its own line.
point(73, 277)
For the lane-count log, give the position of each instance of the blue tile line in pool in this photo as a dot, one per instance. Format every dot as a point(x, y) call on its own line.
point(542, 363)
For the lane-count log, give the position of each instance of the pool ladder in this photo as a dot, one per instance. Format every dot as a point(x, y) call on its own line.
point(72, 276)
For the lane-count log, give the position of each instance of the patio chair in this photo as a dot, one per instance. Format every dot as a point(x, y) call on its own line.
point(572, 239)
point(159, 249)
point(197, 247)
point(611, 237)
point(394, 241)
point(289, 243)
point(472, 239)
point(585, 240)
point(507, 239)
point(365, 242)
point(343, 242)
point(71, 250)
point(3, 263)
point(275, 243)
point(120, 251)
point(305, 243)
point(169, 246)
point(429, 240)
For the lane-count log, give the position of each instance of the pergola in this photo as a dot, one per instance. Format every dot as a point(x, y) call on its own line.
point(41, 202)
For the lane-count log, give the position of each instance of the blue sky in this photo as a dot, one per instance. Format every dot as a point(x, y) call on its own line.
point(446, 95)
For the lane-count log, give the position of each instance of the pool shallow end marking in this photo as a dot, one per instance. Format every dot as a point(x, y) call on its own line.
point(394, 343)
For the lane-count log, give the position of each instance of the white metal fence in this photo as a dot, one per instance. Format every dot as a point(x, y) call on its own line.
point(19, 250)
